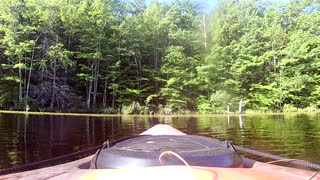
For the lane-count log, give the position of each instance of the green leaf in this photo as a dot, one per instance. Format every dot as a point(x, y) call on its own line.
point(20, 66)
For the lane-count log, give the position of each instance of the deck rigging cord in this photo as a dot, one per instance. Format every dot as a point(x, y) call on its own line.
point(288, 160)
point(275, 157)
point(105, 144)
point(165, 153)
point(174, 154)
point(314, 175)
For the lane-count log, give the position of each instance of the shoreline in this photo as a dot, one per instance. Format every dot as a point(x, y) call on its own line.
point(154, 115)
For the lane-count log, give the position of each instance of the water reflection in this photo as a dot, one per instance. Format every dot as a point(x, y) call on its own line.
point(29, 138)
point(241, 122)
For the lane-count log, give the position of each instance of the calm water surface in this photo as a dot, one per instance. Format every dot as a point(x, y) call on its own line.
point(30, 138)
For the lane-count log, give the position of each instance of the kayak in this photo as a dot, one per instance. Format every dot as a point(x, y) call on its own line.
point(163, 152)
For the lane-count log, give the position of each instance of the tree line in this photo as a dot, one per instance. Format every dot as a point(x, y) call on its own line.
point(133, 56)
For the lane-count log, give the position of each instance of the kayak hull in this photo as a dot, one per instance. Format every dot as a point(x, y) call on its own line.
point(79, 169)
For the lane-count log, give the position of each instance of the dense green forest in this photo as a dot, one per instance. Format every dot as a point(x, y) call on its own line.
point(138, 56)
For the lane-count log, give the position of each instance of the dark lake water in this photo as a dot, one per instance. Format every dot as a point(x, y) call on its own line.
point(30, 138)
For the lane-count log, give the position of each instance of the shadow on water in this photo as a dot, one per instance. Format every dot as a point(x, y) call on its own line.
point(31, 138)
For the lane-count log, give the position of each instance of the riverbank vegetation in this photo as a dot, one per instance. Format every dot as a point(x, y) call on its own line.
point(116, 56)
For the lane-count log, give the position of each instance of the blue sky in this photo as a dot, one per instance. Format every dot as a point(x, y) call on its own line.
point(211, 3)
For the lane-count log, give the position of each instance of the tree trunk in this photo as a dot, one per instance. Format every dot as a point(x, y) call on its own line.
point(95, 84)
point(113, 98)
point(53, 85)
point(25, 76)
point(240, 106)
point(89, 87)
point(275, 64)
point(104, 100)
point(20, 85)
point(156, 65)
point(30, 70)
point(139, 76)
point(205, 29)
point(137, 70)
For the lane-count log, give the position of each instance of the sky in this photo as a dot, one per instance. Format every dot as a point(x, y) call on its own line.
point(211, 3)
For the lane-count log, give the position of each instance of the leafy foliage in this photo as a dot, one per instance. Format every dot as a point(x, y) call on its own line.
point(103, 55)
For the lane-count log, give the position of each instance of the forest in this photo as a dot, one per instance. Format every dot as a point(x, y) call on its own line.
point(138, 56)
